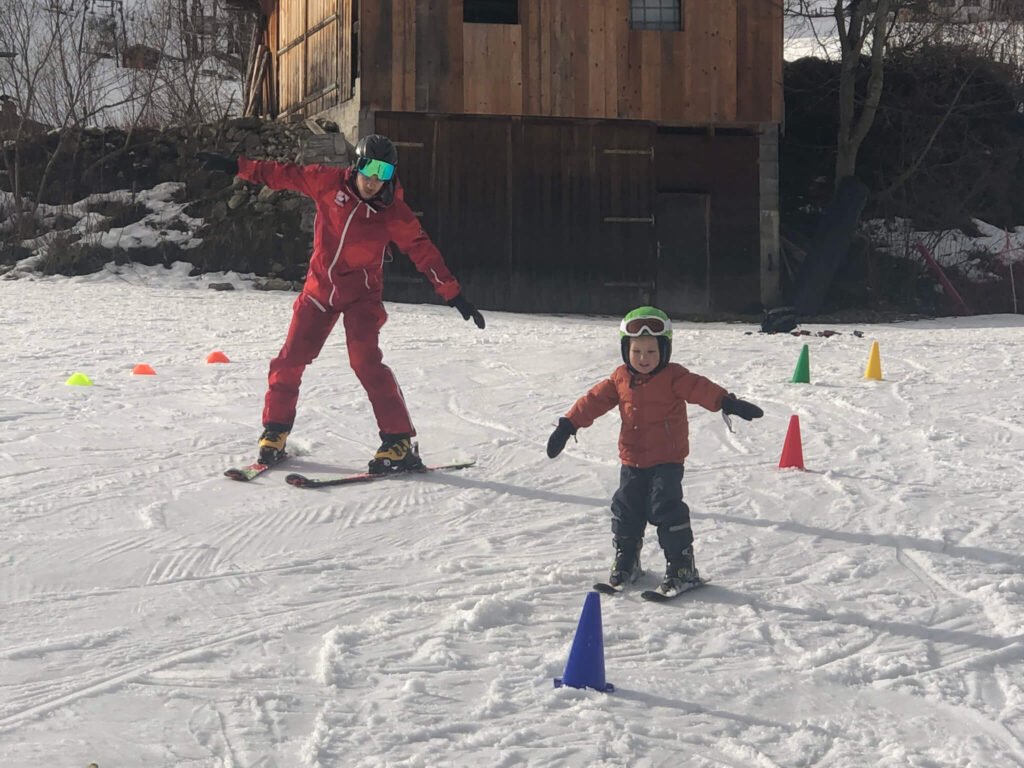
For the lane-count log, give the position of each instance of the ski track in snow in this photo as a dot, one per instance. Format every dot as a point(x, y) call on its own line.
point(867, 611)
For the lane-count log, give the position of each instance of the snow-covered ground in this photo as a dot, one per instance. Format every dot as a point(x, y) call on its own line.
point(865, 612)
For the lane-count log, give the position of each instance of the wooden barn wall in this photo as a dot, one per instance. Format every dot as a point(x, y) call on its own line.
point(538, 215)
point(568, 58)
point(312, 45)
point(726, 168)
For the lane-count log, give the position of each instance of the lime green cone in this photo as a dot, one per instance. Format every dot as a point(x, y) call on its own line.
point(802, 372)
point(79, 380)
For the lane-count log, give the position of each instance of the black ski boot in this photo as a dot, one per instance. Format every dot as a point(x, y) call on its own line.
point(397, 453)
point(626, 567)
point(680, 572)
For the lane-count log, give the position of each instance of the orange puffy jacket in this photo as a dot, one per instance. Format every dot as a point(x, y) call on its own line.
point(351, 235)
point(655, 429)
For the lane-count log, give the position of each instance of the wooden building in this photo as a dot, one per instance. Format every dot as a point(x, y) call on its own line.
point(567, 155)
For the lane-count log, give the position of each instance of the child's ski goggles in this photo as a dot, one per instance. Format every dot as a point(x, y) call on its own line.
point(646, 326)
point(370, 167)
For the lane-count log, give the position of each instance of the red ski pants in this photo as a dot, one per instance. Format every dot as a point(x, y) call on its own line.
point(311, 324)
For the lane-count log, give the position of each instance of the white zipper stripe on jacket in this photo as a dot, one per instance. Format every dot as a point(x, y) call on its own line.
point(337, 254)
point(319, 306)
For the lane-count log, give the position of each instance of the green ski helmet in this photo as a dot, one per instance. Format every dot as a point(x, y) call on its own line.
point(647, 321)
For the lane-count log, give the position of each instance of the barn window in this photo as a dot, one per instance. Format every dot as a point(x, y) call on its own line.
point(659, 15)
point(490, 11)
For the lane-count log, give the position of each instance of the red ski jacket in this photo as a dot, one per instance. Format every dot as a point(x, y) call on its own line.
point(351, 235)
point(655, 429)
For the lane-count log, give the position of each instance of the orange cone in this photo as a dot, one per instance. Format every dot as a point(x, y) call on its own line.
point(217, 357)
point(792, 450)
point(143, 369)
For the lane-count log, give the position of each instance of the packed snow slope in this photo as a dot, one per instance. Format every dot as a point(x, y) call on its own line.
point(864, 612)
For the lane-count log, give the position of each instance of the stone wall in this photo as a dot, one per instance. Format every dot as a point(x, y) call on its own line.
point(220, 223)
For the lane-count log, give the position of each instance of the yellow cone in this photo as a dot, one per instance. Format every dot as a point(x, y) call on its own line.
point(874, 369)
point(79, 380)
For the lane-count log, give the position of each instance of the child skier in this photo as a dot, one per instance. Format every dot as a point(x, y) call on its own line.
point(359, 211)
point(651, 394)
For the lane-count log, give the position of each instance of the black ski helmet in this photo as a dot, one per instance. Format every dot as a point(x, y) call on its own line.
point(377, 147)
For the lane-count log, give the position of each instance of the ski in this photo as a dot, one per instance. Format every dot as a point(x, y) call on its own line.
point(253, 470)
point(609, 589)
point(324, 481)
point(657, 596)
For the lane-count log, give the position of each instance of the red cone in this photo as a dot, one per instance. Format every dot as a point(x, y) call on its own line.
point(792, 450)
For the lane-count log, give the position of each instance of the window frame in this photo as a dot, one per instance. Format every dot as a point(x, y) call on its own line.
point(496, 8)
point(655, 5)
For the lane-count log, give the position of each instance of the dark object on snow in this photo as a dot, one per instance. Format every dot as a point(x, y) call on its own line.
point(831, 243)
point(779, 320)
point(214, 161)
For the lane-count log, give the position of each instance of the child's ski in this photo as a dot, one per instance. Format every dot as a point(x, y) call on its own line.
point(608, 589)
point(253, 470)
point(323, 481)
point(657, 596)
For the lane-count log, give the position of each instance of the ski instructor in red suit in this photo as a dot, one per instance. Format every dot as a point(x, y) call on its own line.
point(359, 211)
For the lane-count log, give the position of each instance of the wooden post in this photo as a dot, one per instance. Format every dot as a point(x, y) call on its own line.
point(768, 206)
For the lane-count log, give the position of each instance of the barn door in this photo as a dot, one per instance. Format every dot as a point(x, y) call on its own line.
point(314, 55)
point(682, 230)
point(625, 252)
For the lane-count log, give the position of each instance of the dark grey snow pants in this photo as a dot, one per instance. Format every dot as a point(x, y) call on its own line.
point(653, 495)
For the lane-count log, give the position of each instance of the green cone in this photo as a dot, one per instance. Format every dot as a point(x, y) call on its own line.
point(79, 380)
point(802, 372)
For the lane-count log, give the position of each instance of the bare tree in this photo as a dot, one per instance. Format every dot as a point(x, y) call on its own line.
point(859, 22)
point(23, 77)
point(860, 34)
point(202, 61)
point(64, 76)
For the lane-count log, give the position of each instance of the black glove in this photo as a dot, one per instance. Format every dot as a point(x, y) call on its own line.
point(733, 406)
point(560, 437)
point(212, 161)
point(467, 310)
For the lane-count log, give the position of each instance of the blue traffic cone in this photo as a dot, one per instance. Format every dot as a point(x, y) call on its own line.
point(585, 668)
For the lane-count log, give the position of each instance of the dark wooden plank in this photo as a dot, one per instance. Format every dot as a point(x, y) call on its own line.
point(431, 25)
point(746, 62)
point(452, 72)
point(404, 51)
point(530, 18)
point(723, 53)
point(344, 62)
point(375, 30)
point(651, 63)
point(631, 76)
point(597, 63)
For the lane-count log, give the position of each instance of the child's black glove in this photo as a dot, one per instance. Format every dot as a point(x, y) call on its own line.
point(560, 437)
point(467, 310)
point(212, 161)
point(733, 406)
